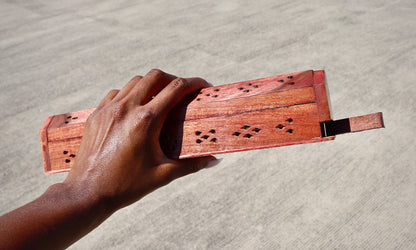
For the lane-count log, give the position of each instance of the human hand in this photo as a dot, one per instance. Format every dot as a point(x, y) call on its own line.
point(120, 159)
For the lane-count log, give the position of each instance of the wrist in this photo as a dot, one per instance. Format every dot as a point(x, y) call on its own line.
point(80, 198)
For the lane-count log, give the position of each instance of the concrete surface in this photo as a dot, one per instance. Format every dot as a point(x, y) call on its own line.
point(358, 191)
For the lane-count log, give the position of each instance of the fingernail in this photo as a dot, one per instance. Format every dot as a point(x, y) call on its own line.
point(213, 163)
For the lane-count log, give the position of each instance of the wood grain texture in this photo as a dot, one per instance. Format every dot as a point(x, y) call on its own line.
point(268, 112)
point(366, 122)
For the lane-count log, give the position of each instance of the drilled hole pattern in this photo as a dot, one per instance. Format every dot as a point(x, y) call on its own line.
point(67, 154)
point(69, 118)
point(248, 86)
point(289, 82)
point(247, 131)
point(208, 95)
point(206, 137)
point(287, 123)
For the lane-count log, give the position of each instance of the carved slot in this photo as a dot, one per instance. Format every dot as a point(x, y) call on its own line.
point(256, 130)
point(198, 132)
point(281, 80)
point(214, 140)
point(205, 137)
point(256, 86)
point(236, 134)
point(290, 120)
point(248, 136)
point(291, 83)
point(246, 91)
point(280, 126)
point(289, 131)
point(245, 127)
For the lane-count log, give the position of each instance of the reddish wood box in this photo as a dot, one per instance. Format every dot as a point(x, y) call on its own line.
point(269, 112)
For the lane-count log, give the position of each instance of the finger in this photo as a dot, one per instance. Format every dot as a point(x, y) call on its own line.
point(174, 92)
point(110, 96)
point(128, 87)
point(150, 85)
point(179, 168)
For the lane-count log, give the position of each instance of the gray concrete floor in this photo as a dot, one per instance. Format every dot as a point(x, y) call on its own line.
point(355, 192)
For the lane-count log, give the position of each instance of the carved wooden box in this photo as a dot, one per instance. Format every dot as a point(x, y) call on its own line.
point(269, 112)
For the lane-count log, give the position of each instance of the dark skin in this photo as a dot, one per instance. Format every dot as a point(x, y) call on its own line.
point(119, 162)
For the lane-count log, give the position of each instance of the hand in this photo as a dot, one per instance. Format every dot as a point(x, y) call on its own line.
point(120, 159)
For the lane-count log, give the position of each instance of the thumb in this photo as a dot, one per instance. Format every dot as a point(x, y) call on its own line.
point(179, 168)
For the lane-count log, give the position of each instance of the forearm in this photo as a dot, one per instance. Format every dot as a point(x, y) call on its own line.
point(62, 215)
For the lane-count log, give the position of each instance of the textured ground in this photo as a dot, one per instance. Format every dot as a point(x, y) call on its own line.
point(355, 192)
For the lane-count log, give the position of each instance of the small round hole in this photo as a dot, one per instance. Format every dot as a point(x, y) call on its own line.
point(289, 131)
point(67, 122)
point(256, 86)
point(246, 91)
point(247, 136)
point(72, 155)
point(67, 161)
point(198, 141)
point(245, 127)
point(65, 152)
point(291, 83)
point(236, 134)
point(290, 120)
point(69, 117)
point(249, 84)
point(240, 88)
point(215, 96)
point(214, 140)
point(212, 131)
point(281, 80)
point(205, 137)
point(198, 132)
point(208, 94)
point(198, 99)
point(290, 77)
point(216, 90)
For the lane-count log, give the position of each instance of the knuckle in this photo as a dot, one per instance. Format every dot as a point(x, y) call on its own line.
point(113, 92)
point(118, 111)
point(180, 83)
point(136, 78)
point(156, 73)
point(145, 117)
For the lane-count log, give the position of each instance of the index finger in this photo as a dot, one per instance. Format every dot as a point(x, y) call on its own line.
point(174, 92)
